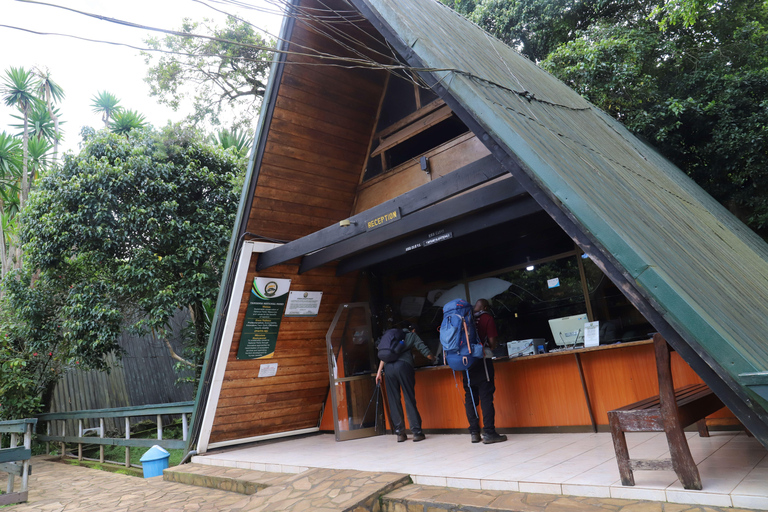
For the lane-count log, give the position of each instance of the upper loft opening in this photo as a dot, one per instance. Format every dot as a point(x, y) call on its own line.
point(412, 120)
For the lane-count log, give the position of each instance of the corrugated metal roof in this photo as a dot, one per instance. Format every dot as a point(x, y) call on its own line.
point(704, 271)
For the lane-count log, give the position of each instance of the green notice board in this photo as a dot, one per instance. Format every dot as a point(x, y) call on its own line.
point(262, 318)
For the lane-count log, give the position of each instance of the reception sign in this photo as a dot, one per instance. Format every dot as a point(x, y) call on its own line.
point(262, 318)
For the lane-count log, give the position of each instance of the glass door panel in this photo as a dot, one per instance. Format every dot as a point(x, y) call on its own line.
point(358, 407)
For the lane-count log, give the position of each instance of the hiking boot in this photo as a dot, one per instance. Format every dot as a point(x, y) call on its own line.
point(475, 437)
point(401, 437)
point(494, 438)
point(418, 436)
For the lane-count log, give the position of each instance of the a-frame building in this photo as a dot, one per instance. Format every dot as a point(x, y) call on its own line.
point(401, 148)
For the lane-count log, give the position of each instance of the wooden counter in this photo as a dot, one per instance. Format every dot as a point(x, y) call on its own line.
point(545, 391)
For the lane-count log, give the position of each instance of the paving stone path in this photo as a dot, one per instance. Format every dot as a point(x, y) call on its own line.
point(58, 487)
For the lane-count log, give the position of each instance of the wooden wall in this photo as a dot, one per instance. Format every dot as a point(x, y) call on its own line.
point(316, 147)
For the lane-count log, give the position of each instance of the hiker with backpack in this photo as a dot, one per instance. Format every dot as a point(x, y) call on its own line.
point(464, 334)
point(397, 366)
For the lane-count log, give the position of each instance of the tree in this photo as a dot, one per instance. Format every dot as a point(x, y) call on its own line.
point(697, 92)
point(51, 92)
point(10, 169)
point(106, 104)
point(535, 28)
point(124, 121)
point(18, 90)
point(238, 140)
point(228, 72)
point(131, 230)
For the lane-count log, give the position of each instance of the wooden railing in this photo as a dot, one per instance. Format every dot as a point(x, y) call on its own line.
point(59, 419)
point(15, 454)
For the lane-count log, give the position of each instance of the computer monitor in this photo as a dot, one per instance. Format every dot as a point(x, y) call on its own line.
point(568, 330)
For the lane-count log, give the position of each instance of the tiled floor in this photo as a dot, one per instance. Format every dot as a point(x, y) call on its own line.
point(733, 467)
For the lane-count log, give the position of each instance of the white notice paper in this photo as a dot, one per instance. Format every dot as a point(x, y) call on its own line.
point(553, 283)
point(303, 303)
point(591, 334)
point(268, 370)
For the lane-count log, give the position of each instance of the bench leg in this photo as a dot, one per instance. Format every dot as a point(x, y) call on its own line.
point(682, 460)
point(701, 425)
point(622, 454)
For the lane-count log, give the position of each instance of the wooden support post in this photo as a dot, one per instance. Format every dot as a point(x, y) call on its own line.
point(159, 427)
point(682, 460)
point(80, 445)
point(63, 433)
point(127, 436)
point(101, 435)
point(25, 465)
point(48, 433)
point(11, 476)
point(184, 426)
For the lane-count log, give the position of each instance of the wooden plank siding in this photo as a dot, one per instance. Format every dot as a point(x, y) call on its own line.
point(315, 151)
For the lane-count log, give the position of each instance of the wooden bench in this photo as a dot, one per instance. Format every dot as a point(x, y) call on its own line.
point(669, 412)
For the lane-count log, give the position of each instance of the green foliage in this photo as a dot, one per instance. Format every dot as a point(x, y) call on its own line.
point(106, 104)
point(123, 121)
point(30, 359)
point(223, 74)
point(128, 232)
point(698, 93)
point(18, 89)
point(535, 28)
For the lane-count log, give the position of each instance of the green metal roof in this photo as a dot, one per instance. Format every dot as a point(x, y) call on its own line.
point(700, 268)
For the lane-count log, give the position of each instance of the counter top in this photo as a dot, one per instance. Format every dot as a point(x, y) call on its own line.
point(506, 359)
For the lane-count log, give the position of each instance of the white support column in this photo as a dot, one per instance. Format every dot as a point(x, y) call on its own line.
point(80, 445)
point(101, 435)
point(25, 465)
point(159, 427)
point(127, 436)
point(184, 427)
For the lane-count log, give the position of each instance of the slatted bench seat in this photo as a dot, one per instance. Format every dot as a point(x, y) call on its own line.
point(669, 412)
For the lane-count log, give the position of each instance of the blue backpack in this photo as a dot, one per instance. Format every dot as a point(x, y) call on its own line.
point(392, 344)
point(458, 336)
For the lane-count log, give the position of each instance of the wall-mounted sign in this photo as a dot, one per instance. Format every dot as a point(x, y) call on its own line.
point(383, 220)
point(262, 318)
point(303, 303)
point(434, 237)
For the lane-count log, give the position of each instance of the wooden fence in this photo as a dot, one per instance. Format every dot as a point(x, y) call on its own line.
point(145, 375)
point(56, 428)
point(15, 454)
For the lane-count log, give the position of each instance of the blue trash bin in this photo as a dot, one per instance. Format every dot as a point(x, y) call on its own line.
point(154, 461)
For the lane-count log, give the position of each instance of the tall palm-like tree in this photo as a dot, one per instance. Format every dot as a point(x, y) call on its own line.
point(51, 92)
point(39, 155)
point(126, 120)
point(107, 105)
point(18, 90)
point(10, 168)
point(239, 140)
point(40, 125)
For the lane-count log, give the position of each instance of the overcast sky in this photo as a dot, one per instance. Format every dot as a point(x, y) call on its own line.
point(84, 68)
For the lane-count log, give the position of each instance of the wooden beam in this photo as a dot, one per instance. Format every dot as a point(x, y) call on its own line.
point(413, 129)
point(438, 214)
point(464, 226)
point(464, 178)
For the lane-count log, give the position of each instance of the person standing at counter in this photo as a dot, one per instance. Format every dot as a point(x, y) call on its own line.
point(481, 380)
point(400, 375)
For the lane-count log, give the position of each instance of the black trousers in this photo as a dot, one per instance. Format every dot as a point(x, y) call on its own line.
point(400, 376)
point(482, 388)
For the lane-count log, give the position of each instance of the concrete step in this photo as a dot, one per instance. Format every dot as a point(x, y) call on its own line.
point(243, 481)
point(422, 498)
point(330, 490)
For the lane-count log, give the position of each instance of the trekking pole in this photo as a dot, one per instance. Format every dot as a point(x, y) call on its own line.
point(376, 396)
